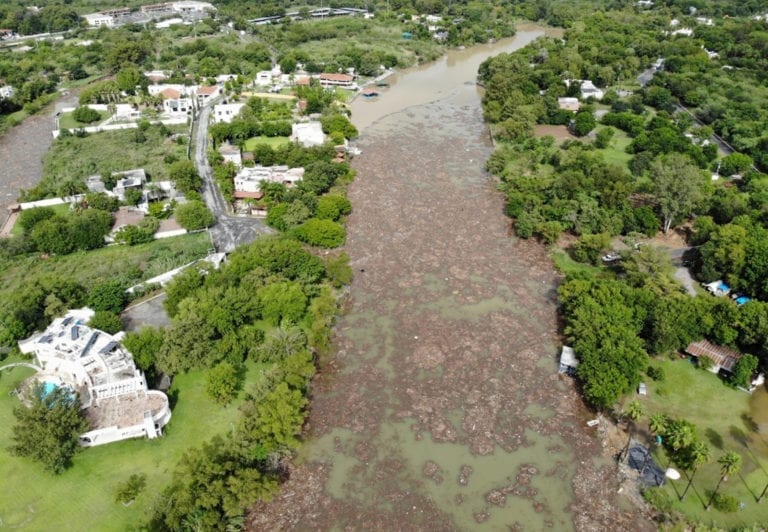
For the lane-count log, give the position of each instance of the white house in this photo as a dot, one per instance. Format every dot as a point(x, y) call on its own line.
point(225, 112)
point(706, 21)
point(129, 179)
point(346, 81)
point(174, 102)
point(95, 366)
point(191, 6)
point(99, 19)
point(263, 78)
point(248, 180)
point(207, 93)
point(231, 154)
point(308, 133)
point(588, 88)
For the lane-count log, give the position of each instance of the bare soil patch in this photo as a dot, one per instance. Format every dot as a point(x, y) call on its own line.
point(560, 133)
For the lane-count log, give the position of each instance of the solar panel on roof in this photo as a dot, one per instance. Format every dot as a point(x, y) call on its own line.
point(89, 344)
point(107, 348)
point(46, 339)
point(67, 321)
point(75, 332)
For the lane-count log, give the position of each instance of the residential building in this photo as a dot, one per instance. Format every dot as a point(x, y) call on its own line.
point(337, 80)
point(99, 19)
point(94, 365)
point(588, 88)
point(569, 104)
point(248, 180)
point(129, 179)
point(231, 154)
point(308, 133)
point(723, 358)
point(225, 112)
point(157, 9)
point(207, 93)
point(263, 78)
point(175, 103)
point(191, 7)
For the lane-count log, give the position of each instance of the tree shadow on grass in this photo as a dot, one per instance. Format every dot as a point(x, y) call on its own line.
point(714, 438)
point(744, 481)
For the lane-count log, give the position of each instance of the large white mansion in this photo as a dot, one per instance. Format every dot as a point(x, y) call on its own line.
point(93, 364)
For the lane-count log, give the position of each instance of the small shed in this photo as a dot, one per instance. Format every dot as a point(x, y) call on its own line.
point(722, 357)
point(568, 361)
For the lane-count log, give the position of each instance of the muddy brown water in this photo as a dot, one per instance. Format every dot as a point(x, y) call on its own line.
point(441, 408)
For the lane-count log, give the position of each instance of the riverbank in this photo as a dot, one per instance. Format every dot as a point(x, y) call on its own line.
point(442, 408)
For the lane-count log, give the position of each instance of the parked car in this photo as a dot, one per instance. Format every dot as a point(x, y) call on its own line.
point(740, 298)
point(611, 257)
point(642, 389)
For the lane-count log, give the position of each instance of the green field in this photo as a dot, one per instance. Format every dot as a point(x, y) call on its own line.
point(82, 498)
point(67, 121)
point(74, 159)
point(724, 421)
point(615, 153)
point(126, 263)
point(273, 142)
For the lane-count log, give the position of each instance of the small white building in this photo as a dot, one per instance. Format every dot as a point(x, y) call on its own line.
point(248, 180)
point(705, 21)
point(99, 19)
point(588, 88)
point(191, 6)
point(569, 104)
point(263, 78)
point(225, 112)
point(308, 133)
point(94, 365)
point(568, 361)
point(175, 103)
point(207, 93)
point(231, 154)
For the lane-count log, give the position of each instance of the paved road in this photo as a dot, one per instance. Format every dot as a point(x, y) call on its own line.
point(230, 231)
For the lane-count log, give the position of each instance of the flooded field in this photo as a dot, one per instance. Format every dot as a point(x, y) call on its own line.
point(441, 408)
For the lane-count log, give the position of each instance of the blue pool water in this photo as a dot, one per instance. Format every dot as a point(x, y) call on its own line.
point(48, 387)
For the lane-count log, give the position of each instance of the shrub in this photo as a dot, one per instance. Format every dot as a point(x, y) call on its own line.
point(333, 207)
point(222, 382)
point(549, 231)
point(658, 499)
point(322, 233)
point(725, 503)
point(589, 247)
point(86, 115)
point(655, 373)
point(106, 321)
point(28, 219)
point(127, 491)
point(705, 362)
point(194, 215)
point(109, 296)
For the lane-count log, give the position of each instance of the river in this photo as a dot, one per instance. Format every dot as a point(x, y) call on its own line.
point(442, 408)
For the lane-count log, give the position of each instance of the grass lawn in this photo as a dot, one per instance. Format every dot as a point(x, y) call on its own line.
point(615, 153)
point(82, 498)
point(60, 209)
point(724, 421)
point(273, 142)
point(567, 266)
point(67, 121)
point(129, 263)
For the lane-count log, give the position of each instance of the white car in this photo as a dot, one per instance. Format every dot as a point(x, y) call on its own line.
point(642, 389)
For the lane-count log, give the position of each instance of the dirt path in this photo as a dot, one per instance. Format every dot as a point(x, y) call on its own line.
point(442, 408)
point(22, 149)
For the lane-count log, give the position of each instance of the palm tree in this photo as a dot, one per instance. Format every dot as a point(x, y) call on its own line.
point(680, 434)
point(730, 464)
point(634, 412)
point(698, 454)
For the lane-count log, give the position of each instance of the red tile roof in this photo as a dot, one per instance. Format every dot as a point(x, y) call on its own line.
point(207, 91)
point(239, 194)
point(335, 77)
point(170, 93)
point(301, 80)
point(725, 357)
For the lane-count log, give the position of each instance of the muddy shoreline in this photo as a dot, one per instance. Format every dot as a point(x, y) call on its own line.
point(442, 408)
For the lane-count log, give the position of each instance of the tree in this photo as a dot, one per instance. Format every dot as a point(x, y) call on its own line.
point(680, 434)
point(333, 207)
point(677, 185)
point(194, 215)
point(743, 370)
point(29, 218)
point(127, 491)
point(338, 270)
point(604, 137)
point(144, 345)
point(730, 464)
point(322, 233)
point(48, 430)
point(185, 176)
point(222, 382)
point(283, 301)
point(133, 196)
point(109, 296)
point(86, 115)
point(735, 163)
point(658, 424)
point(106, 321)
point(583, 123)
point(698, 455)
